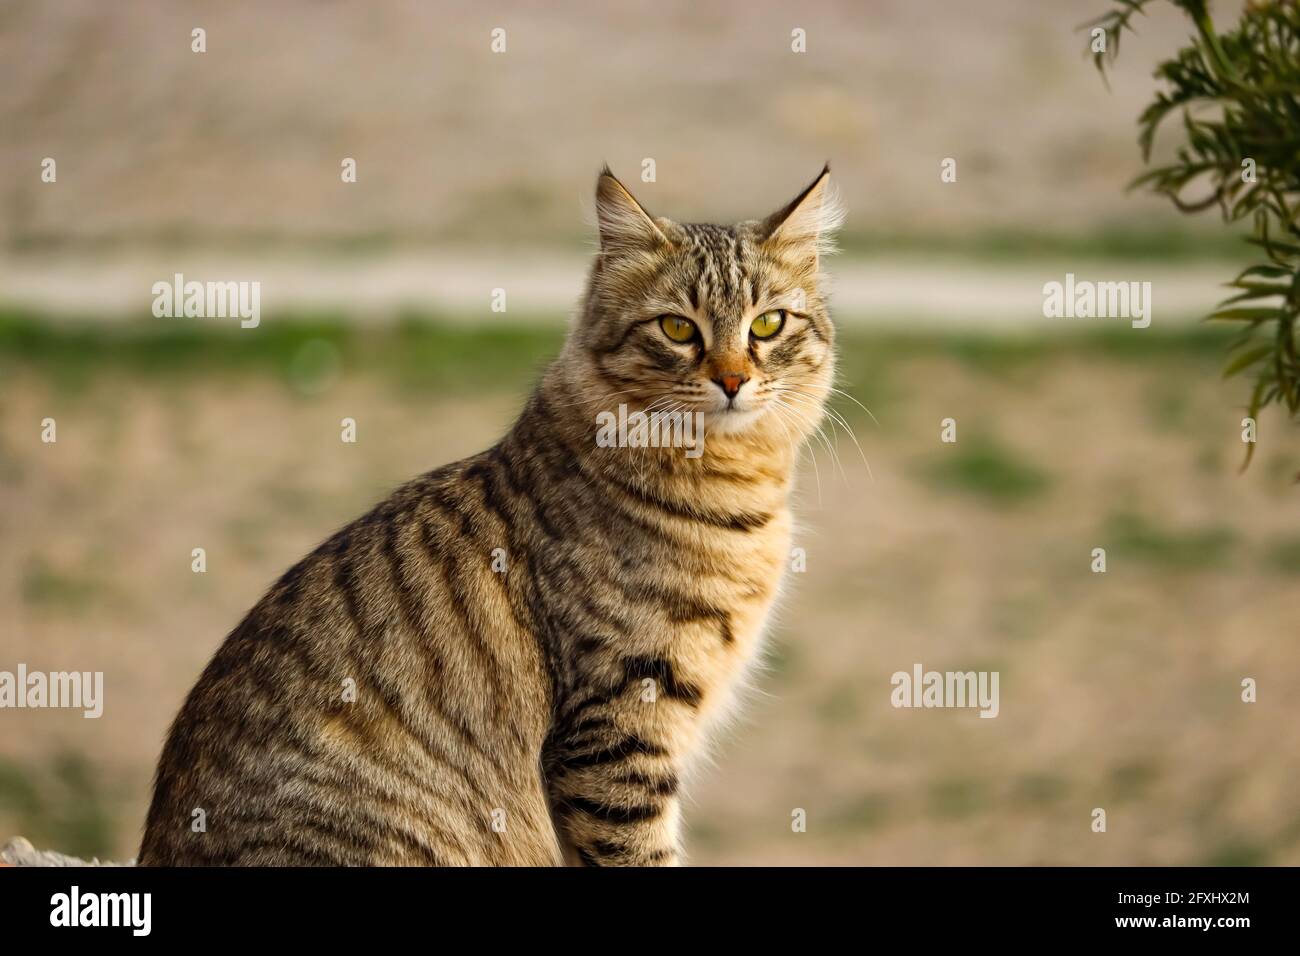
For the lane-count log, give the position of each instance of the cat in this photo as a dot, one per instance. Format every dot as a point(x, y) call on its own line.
point(516, 658)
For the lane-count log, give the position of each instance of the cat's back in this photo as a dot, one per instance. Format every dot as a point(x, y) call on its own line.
point(381, 704)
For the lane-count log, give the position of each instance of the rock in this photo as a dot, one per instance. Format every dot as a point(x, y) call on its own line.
point(20, 852)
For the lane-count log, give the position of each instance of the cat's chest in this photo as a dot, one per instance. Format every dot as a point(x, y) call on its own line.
point(763, 558)
point(718, 635)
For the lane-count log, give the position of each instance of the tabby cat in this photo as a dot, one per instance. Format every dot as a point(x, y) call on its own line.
point(515, 659)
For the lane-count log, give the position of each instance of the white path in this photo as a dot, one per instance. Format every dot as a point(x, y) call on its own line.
point(885, 292)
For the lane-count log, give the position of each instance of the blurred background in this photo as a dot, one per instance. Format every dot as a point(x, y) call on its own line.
point(474, 171)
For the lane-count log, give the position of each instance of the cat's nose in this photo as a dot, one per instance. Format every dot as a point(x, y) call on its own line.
point(730, 384)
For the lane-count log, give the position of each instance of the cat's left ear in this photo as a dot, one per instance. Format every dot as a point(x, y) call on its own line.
point(808, 223)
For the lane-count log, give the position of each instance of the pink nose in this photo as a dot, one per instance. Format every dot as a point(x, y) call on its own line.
point(730, 384)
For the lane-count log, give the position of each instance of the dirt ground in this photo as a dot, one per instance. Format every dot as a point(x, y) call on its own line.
point(1119, 690)
point(243, 144)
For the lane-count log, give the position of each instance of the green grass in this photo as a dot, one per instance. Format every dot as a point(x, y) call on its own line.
point(956, 798)
point(840, 706)
point(1040, 790)
point(61, 804)
point(1168, 407)
point(1132, 779)
point(423, 351)
point(419, 353)
point(1133, 537)
point(983, 467)
point(1237, 852)
point(867, 812)
point(46, 586)
point(1282, 554)
point(872, 365)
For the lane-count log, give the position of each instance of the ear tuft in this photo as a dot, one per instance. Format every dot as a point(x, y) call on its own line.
point(809, 220)
point(624, 222)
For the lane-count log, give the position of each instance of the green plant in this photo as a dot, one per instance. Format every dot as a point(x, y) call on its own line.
point(1238, 94)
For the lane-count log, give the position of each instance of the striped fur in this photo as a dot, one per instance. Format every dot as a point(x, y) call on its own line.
point(547, 713)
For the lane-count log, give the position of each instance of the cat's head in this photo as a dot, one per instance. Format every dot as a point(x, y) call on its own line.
point(729, 321)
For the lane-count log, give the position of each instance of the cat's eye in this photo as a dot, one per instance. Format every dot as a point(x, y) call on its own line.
point(767, 324)
point(677, 328)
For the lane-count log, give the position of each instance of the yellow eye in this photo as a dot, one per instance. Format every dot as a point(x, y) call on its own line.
point(767, 324)
point(677, 328)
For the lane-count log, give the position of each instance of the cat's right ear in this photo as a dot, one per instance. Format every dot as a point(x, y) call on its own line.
point(624, 223)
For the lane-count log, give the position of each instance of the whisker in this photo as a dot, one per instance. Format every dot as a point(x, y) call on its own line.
point(783, 411)
point(592, 401)
point(833, 415)
point(840, 391)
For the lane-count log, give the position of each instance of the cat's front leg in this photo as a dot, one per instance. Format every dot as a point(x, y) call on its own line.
point(614, 781)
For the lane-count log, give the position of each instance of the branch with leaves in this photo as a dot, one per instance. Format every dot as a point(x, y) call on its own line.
point(1238, 95)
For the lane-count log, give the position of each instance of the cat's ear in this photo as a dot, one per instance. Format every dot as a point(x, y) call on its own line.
point(624, 222)
point(808, 223)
